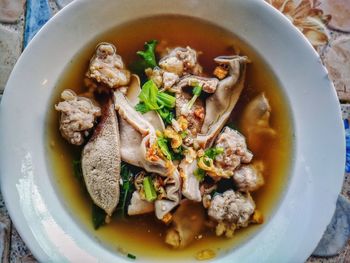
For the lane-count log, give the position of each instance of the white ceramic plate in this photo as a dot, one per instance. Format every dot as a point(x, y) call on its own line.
point(310, 197)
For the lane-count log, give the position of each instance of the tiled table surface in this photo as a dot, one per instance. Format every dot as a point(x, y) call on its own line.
point(12, 41)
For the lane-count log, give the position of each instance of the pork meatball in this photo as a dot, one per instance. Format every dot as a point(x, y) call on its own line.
point(78, 116)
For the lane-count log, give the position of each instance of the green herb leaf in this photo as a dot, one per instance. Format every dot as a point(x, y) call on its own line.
point(131, 256)
point(166, 100)
point(98, 216)
point(78, 173)
point(178, 153)
point(199, 174)
point(141, 107)
point(148, 55)
point(196, 93)
point(197, 90)
point(163, 145)
point(213, 152)
point(126, 189)
point(150, 192)
point(148, 95)
point(152, 99)
point(166, 115)
point(184, 134)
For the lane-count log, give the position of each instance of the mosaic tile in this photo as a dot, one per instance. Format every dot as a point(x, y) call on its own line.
point(338, 231)
point(10, 49)
point(38, 13)
point(10, 10)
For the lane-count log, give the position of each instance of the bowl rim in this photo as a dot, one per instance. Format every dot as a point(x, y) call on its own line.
point(24, 179)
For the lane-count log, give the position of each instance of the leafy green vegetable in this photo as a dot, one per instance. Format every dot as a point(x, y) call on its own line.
point(171, 154)
point(131, 256)
point(126, 189)
point(141, 107)
point(178, 153)
point(148, 95)
point(152, 99)
point(197, 90)
point(213, 152)
point(166, 100)
point(166, 114)
point(78, 173)
point(163, 145)
point(150, 192)
point(199, 174)
point(148, 55)
point(98, 216)
point(184, 134)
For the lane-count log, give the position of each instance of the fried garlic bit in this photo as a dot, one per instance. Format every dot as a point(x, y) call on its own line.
point(205, 254)
point(307, 18)
point(258, 217)
point(176, 139)
point(220, 71)
point(207, 165)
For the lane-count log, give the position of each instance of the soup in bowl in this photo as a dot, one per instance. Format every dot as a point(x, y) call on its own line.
point(178, 131)
point(214, 151)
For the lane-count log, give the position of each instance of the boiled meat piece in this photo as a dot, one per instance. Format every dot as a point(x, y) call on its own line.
point(101, 161)
point(163, 79)
point(248, 178)
point(220, 105)
point(138, 206)
point(173, 194)
point(107, 67)
point(190, 183)
point(235, 150)
point(130, 141)
point(188, 222)
point(128, 113)
point(146, 157)
point(78, 116)
point(232, 210)
point(180, 61)
point(195, 116)
point(208, 85)
point(255, 122)
point(232, 207)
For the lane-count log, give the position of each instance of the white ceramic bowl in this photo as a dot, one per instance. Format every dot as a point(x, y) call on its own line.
point(310, 196)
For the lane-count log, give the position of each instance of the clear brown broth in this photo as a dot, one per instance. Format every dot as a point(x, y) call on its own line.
point(144, 236)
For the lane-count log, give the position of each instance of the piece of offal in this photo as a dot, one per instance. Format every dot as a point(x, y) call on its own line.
point(188, 222)
point(148, 137)
point(220, 104)
point(101, 161)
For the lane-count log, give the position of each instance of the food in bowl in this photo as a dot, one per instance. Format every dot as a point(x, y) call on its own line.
point(186, 142)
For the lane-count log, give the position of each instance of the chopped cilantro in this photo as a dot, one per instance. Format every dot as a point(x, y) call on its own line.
point(213, 152)
point(131, 256)
point(199, 174)
point(152, 99)
point(148, 55)
point(78, 173)
point(98, 216)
